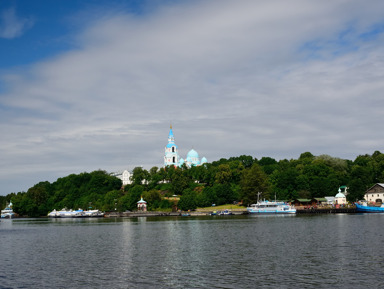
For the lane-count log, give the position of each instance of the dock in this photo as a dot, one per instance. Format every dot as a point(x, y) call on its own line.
point(326, 211)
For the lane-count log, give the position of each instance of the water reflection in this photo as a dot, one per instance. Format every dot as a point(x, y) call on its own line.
point(173, 252)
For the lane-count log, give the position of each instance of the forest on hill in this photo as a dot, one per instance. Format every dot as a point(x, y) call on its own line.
point(237, 179)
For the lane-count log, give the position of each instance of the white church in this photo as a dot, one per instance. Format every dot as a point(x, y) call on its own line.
point(172, 158)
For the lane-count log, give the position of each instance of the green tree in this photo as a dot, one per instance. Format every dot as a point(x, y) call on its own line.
point(134, 195)
point(153, 199)
point(224, 174)
point(180, 181)
point(188, 201)
point(253, 180)
point(140, 176)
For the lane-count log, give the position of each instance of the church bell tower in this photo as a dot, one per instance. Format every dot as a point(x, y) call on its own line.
point(171, 156)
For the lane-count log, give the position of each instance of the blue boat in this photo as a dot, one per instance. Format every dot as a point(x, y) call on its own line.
point(363, 207)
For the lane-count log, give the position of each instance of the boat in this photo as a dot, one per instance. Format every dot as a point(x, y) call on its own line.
point(271, 207)
point(225, 213)
point(363, 207)
point(93, 214)
point(53, 214)
point(8, 212)
point(64, 213)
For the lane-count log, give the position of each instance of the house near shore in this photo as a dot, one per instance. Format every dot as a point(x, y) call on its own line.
point(340, 199)
point(142, 205)
point(375, 194)
point(330, 200)
point(301, 202)
point(309, 202)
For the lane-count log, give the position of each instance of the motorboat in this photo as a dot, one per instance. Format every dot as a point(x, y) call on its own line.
point(225, 213)
point(271, 207)
point(8, 212)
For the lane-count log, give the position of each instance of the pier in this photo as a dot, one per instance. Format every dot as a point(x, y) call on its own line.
point(326, 211)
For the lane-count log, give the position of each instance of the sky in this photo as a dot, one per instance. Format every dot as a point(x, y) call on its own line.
point(96, 84)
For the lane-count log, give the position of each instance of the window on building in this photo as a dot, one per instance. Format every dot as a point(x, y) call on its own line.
point(173, 149)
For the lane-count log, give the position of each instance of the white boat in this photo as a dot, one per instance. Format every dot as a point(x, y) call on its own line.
point(64, 213)
point(274, 207)
point(93, 214)
point(225, 213)
point(8, 212)
point(53, 214)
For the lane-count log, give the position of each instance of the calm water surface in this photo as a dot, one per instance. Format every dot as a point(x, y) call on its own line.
point(327, 251)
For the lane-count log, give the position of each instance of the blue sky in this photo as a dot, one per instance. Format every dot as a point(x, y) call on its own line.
point(87, 85)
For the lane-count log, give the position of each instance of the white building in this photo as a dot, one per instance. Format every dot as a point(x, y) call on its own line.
point(340, 198)
point(124, 176)
point(330, 200)
point(375, 194)
point(171, 156)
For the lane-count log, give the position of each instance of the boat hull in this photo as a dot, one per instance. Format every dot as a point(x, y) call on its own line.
point(253, 211)
point(367, 209)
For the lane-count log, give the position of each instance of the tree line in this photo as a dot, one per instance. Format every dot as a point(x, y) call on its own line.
point(237, 179)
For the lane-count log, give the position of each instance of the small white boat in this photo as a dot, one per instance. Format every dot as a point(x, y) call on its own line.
point(8, 212)
point(226, 212)
point(266, 207)
point(93, 214)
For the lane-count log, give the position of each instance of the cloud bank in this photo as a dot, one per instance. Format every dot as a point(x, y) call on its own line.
point(264, 78)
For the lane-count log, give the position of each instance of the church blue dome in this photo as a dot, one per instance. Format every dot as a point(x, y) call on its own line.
point(192, 154)
point(204, 160)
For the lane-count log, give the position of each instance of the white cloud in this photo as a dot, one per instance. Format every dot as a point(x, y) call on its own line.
point(12, 26)
point(233, 77)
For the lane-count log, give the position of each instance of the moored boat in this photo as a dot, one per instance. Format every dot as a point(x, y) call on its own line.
point(64, 213)
point(267, 207)
point(8, 212)
point(225, 212)
point(93, 214)
point(363, 207)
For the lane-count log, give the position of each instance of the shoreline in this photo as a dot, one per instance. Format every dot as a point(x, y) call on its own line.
point(234, 212)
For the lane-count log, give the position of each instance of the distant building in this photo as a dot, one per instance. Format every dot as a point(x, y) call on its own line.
point(375, 194)
point(172, 158)
point(124, 176)
point(340, 198)
point(330, 200)
point(142, 205)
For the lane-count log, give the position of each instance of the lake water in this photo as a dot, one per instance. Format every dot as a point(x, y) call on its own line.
point(322, 251)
